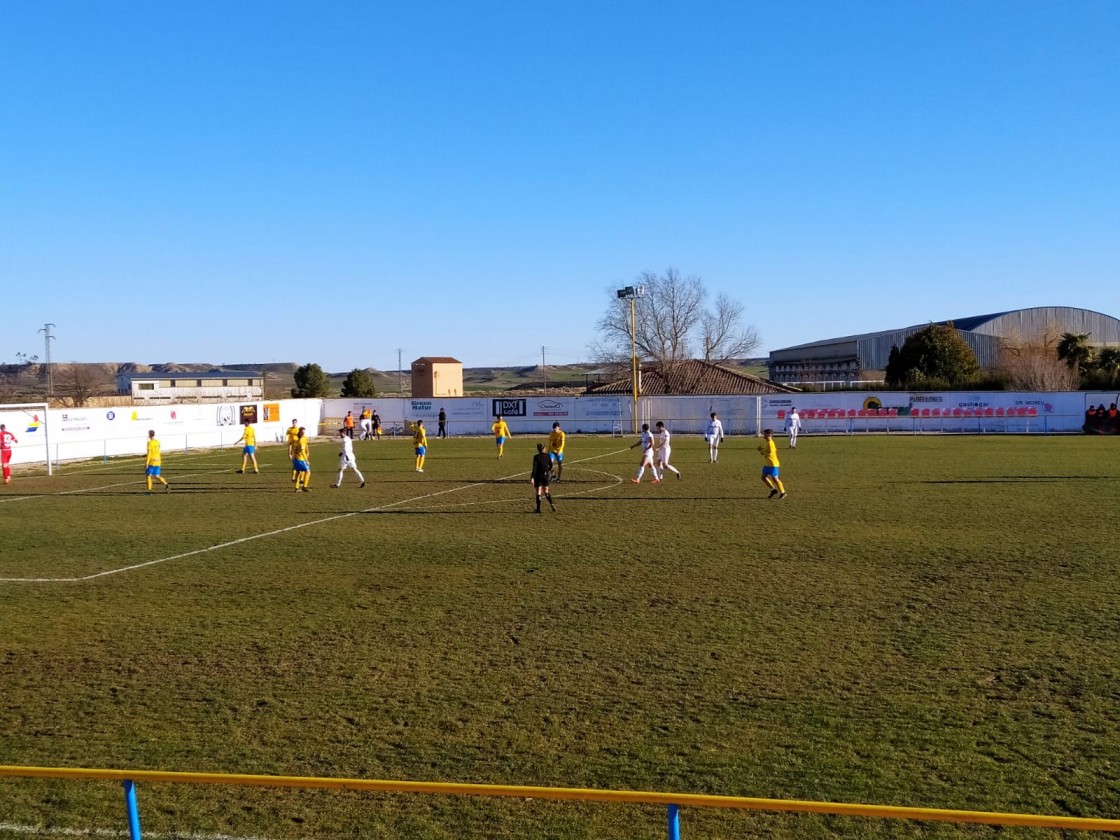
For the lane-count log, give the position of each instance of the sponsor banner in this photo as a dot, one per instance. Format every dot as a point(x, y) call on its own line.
point(511, 407)
point(602, 408)
point(468, 409)
point(547, 407)
point(75, 421)
point(247, 414)
point(270, 412)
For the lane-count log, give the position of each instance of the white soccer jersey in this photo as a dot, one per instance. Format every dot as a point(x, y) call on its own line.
point(346, 458)
point(663, 438)
point(714, 432)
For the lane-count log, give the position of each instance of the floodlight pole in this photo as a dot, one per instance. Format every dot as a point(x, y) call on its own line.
point(631, 293)
point(47, 338)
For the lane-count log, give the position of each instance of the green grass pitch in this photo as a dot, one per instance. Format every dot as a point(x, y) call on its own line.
point(927, 621)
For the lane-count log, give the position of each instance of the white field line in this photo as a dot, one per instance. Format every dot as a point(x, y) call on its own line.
point(46, 831)
point(135, 482)
point(278, 531)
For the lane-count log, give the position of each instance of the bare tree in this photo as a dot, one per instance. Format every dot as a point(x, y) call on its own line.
point(11, 376)
point(79, 383)
point(724, 335)
point(1033, 364)
point(670, 322)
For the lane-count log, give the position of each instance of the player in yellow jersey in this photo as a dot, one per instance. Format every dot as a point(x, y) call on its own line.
point(556, 440)
point(420, 442)
point(153, 463)
point(501, 432)
point(301, 462)
point(290, 438)
point(770, 478)
point(249, 452)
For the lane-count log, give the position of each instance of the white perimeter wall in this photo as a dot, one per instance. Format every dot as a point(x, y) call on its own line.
point(80, 433)
point(77, 433)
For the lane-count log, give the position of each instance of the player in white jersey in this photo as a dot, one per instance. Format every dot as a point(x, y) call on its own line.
point(661, 440)
point(713, 434)
point(647, 444)
point(346, 459)
point(793, 426)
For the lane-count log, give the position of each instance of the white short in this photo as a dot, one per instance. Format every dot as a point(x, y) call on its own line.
point(344, 462)
point(663, 454)
point(647, 457)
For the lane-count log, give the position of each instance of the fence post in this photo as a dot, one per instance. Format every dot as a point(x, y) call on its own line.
point(133, 810)
point(674, 822)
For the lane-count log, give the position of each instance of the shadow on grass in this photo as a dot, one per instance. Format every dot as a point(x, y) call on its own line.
point(1013, 479)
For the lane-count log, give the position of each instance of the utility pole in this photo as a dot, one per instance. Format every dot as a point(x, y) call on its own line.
point(47, 339)
point(544, 369)
point(400, 372)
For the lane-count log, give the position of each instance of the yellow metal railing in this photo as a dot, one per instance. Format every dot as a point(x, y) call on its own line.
point(673, 801)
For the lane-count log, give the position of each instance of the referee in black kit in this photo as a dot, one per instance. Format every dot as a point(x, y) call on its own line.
point(540, 476)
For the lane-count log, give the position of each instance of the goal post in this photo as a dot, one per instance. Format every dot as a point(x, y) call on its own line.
point(30, 423)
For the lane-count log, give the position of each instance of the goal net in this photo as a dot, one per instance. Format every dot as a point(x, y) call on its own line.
point(29, 423)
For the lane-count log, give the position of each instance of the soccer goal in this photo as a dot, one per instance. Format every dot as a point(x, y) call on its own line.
point(29, 423)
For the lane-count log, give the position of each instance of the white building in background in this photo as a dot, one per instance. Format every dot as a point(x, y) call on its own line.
point(192, 386)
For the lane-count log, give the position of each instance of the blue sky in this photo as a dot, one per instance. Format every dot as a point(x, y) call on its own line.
point(256, 182)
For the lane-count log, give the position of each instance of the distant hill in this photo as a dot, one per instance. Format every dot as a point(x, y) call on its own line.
point(98, 379)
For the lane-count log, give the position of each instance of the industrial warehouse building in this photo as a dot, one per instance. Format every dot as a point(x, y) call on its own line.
point(857, 358)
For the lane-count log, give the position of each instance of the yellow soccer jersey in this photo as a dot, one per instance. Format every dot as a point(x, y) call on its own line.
point(292, 435)
point(500, 429)
point(303, 450)
point(154, 458)
point(419, 436)
point(556, 440)
point(769, 451)
point(250, 436)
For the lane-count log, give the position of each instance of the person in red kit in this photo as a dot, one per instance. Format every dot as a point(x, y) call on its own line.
point(6, 441)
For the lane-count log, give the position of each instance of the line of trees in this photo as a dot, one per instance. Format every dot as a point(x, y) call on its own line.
point(1096, 368)
point(312, 381)
point(938, 357)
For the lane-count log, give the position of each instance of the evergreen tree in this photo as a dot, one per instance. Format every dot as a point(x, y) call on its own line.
point(311, 382)
point(359, 383)
point(894, 374)
point(936, 356)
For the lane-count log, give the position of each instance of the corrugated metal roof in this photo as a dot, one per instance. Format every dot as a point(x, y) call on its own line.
point(437, 360)
point(694, 377)
point(194, 374)
point(983, 333)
